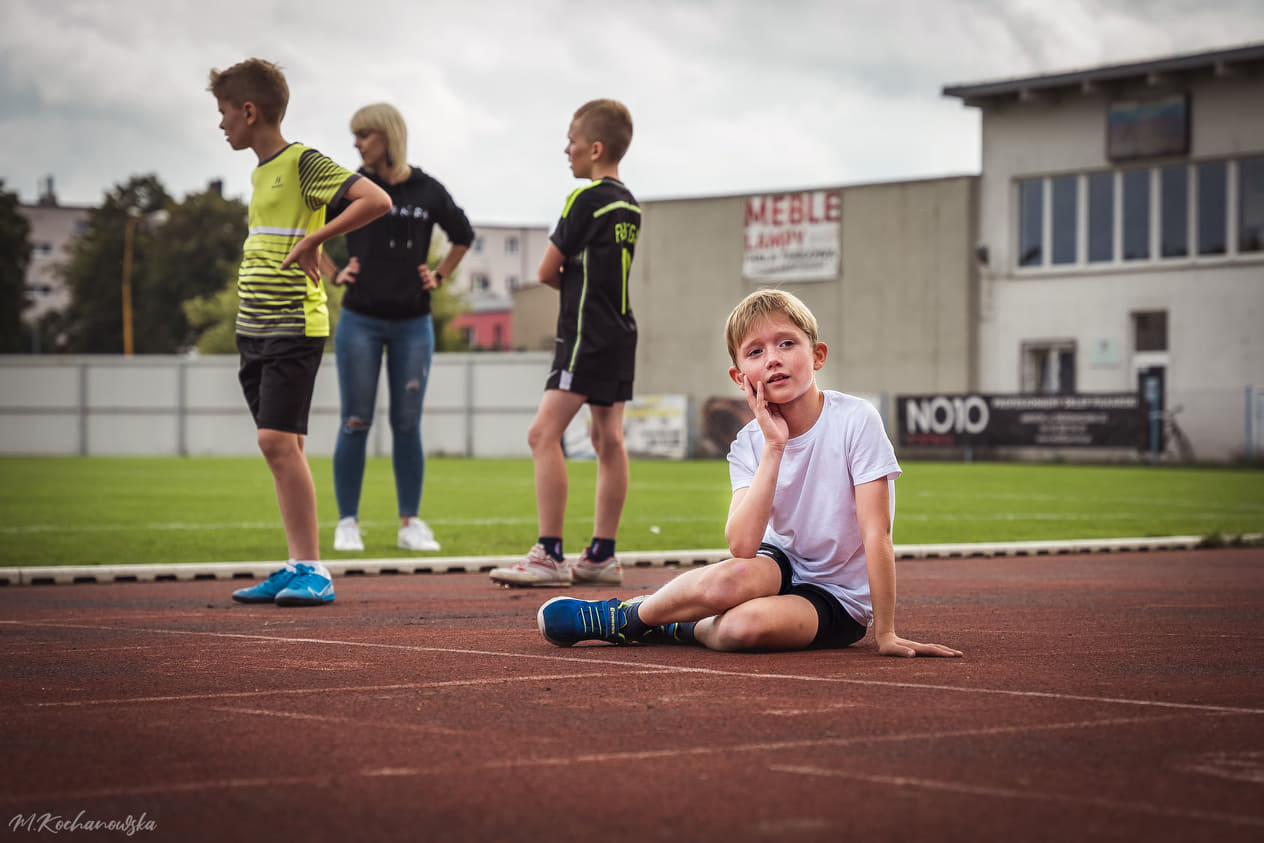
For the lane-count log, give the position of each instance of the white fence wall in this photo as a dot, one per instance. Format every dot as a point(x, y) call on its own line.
point(477, 405)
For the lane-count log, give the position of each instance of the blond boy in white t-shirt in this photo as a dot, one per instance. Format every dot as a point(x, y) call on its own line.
point(809, 525)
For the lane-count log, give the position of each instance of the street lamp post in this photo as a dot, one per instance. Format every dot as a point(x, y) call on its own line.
point(129, 247)
point(129, 238)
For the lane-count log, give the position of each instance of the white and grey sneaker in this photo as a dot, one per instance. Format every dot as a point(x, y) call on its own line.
point(536, 569)
point(416, 535)
point(347, 535)
point(608, 572)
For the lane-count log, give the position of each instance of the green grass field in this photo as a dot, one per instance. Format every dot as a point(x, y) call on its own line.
point(100, 510)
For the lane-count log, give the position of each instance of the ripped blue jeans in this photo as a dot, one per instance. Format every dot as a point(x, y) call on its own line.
point(359, 342)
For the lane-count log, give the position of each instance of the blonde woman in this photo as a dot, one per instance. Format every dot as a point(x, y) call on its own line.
point(386, 308)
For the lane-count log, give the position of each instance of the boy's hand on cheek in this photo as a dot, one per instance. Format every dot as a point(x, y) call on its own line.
point(775, 428)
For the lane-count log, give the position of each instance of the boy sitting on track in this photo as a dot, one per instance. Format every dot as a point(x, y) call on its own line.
point(809, 525)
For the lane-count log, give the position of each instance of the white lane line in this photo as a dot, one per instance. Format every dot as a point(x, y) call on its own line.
point(1031, 796)
point(345, 689)
point(674, 754)
point(919, 686)
point(680, 753)
point(341, 721)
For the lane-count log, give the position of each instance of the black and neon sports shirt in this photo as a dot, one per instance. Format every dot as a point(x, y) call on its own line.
point(597, 233)
point(288, 199)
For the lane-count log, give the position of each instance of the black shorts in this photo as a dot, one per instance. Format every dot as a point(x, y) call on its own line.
point(278, 376)
point(834, 627)
point(599, 391)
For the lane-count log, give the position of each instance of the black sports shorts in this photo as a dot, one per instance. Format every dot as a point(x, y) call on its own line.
point(278, 375)
point(599, 391)
point(834, 627)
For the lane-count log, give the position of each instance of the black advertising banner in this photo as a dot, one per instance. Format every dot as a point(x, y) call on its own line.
point(1090, 420)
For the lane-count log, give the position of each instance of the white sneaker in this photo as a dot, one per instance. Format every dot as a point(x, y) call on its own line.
point(416, 535)
point(347, 535)
point(537, 569)
point(609, 572)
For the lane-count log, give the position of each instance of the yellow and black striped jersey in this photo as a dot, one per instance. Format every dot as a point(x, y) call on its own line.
point(290, 192)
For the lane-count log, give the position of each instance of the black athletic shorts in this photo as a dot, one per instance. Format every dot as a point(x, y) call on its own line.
point(278, 376)
point(834, 627)
point(600, 392)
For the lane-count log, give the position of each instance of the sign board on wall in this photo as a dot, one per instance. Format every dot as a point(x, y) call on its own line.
point(1094, 420)
point(793, 236)
point(654, 426)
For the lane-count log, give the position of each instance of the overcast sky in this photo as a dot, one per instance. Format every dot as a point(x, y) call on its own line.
point(727, 96)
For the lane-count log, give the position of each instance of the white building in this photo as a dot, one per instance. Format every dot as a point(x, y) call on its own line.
point(501, 260)
point(52, 228)
point(1121, 235)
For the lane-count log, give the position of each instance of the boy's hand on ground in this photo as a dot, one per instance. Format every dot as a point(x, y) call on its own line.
point(306, 254)
point(893, 645)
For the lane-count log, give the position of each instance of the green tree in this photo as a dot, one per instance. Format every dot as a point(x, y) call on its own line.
point(93, 322)
point(194, 253)
point(15, 256)
point(212, 319)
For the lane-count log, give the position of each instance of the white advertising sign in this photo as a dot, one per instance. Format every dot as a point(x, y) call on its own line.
point(793, 236)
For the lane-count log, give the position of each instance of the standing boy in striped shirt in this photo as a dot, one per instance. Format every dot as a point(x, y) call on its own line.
point(282, 320)
point(588, 260)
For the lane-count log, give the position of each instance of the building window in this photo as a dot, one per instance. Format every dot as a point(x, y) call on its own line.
point(1031, 216)
point(1212, 207)
point(1149, 330)
point(512, 281)
point(477, 247)
point(481, 281)
point(1101, 217)
point(1174, 211)
point(1049, 368)
point(511, 246)
point(1251, 205)
point(1171, 213)
point(1062, 217)
point(1136, 208)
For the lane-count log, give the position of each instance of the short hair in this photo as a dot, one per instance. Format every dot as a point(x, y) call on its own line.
point(760, 305)
point(253, 80)
point(607, 121)
point(385, 118)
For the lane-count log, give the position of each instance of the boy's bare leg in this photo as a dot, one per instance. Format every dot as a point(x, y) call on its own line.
point(780, 622)
point(612, 469)
point(295, 491)
point(704, 592)
point(557, 408)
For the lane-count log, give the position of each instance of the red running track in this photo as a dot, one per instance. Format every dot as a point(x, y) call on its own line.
point(1110, 697)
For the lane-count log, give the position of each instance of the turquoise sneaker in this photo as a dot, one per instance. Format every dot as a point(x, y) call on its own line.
point(307, 588)
point(266, 591)
point(564, 621)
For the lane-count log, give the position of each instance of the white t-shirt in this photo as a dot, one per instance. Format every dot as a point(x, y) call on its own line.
point(813, 515)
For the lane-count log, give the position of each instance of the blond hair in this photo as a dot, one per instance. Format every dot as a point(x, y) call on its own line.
point(255, 81)
point(385, 118)
point(760, 305)
point(607, 121)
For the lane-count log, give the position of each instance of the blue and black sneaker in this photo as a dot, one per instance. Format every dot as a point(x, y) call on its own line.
point(564, 621)
point(266, 591)
point(309, 587)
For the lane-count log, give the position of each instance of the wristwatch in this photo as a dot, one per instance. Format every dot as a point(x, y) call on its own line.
point(437, 276)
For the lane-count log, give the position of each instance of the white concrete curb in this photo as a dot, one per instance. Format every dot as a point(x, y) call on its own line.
point(66, 575)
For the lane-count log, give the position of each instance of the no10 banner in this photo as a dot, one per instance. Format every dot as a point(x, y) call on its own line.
point(1090, 420)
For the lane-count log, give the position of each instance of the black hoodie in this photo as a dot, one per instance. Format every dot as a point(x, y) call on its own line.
point(392, 247)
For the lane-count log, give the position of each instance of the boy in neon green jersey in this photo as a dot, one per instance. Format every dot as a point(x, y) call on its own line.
point(282, 321)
